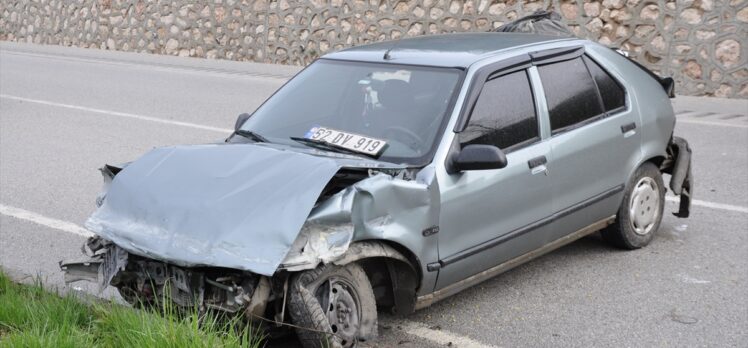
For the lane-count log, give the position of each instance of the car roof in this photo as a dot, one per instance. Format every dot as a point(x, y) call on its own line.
point(448, 50)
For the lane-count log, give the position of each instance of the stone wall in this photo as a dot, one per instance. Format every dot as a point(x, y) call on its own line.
point(701, 43)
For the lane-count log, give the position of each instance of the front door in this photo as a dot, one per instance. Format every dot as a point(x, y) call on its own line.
point(488, 216)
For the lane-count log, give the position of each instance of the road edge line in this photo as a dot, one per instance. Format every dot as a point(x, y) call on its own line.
point(38, 219)
point(710, 123)
point(441, 337)
point(118, 114)
point(713, 205)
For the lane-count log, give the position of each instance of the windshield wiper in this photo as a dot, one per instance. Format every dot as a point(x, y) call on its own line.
point(319, 144)
point(252, 135)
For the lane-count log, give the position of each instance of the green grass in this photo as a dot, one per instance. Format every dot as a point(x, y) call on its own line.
point(30, 316)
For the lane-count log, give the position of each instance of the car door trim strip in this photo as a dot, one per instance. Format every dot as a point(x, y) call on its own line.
point(528, 228)
point(431, 298)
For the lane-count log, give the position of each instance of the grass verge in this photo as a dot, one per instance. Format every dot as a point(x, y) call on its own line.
point(30, 316)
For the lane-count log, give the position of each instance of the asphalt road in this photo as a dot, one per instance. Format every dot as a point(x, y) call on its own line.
point(64, 112)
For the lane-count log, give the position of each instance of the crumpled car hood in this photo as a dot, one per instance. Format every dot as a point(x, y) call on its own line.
point(238, 206)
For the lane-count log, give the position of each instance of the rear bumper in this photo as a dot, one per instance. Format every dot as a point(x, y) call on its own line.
point(678, 165)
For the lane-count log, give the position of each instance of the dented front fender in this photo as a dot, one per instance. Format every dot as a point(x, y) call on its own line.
point(379, 208)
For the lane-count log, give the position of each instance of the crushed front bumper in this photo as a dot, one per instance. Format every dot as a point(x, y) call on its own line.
point(143, 280)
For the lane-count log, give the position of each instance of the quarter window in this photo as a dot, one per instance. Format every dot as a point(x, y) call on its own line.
point(570, 93)
point(504, 114)
point(613, 95)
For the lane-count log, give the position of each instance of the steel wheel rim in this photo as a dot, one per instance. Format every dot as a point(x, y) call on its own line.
point(341, 304)
point(644, 206)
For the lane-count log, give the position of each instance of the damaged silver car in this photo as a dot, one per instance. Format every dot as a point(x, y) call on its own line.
point(391, 176)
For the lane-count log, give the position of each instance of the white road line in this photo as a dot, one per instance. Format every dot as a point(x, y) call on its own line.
point(709, 123)
point(713, 205)
point(60, 225)
point(412, 328)
point(226, 130)
point(152, 65)
point(119, 114)
point(440, 337)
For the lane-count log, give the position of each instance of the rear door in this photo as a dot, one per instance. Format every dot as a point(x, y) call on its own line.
point(594, 140)
point(489, 216)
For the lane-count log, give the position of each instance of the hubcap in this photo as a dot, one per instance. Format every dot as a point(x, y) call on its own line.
point(644, 206)
point(341, 305)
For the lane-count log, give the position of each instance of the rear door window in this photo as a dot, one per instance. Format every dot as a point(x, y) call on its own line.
point(570, 93)
point(504, 114)
point(611, 92)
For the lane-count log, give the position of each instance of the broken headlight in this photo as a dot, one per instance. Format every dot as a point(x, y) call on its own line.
point(318, 243)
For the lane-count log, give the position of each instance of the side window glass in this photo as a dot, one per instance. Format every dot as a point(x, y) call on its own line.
point(504, 114)
point(570, 93)
point(612, 93)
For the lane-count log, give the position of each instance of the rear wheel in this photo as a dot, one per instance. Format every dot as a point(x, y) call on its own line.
point(336, 303)
point(640, 213)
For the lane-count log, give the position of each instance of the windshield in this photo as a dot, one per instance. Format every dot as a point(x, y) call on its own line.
point(405, 106)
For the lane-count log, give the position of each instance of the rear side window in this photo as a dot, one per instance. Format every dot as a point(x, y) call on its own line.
point(611, 92)
point(504, 114)
point(570, 93)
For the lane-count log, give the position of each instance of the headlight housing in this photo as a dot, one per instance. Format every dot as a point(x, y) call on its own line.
point(318, 243)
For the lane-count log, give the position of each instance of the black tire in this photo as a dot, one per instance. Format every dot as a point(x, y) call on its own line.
point(627, 232)
point(306, 308)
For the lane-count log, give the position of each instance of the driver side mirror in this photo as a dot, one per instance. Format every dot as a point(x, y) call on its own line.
point(478, 157)
point(240, 120)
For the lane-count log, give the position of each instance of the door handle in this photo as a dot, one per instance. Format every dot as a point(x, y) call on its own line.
point(537, 165)
point(628, 129)
point(537, 161)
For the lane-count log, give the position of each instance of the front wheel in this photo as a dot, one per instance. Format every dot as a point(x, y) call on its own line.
point(640, 213)
point(335, 303)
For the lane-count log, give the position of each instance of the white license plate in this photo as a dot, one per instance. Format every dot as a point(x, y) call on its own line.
point(350, 141)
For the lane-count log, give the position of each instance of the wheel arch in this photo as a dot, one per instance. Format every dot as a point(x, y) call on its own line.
point(653, 157)
point(657, 160)
point(393, 270)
